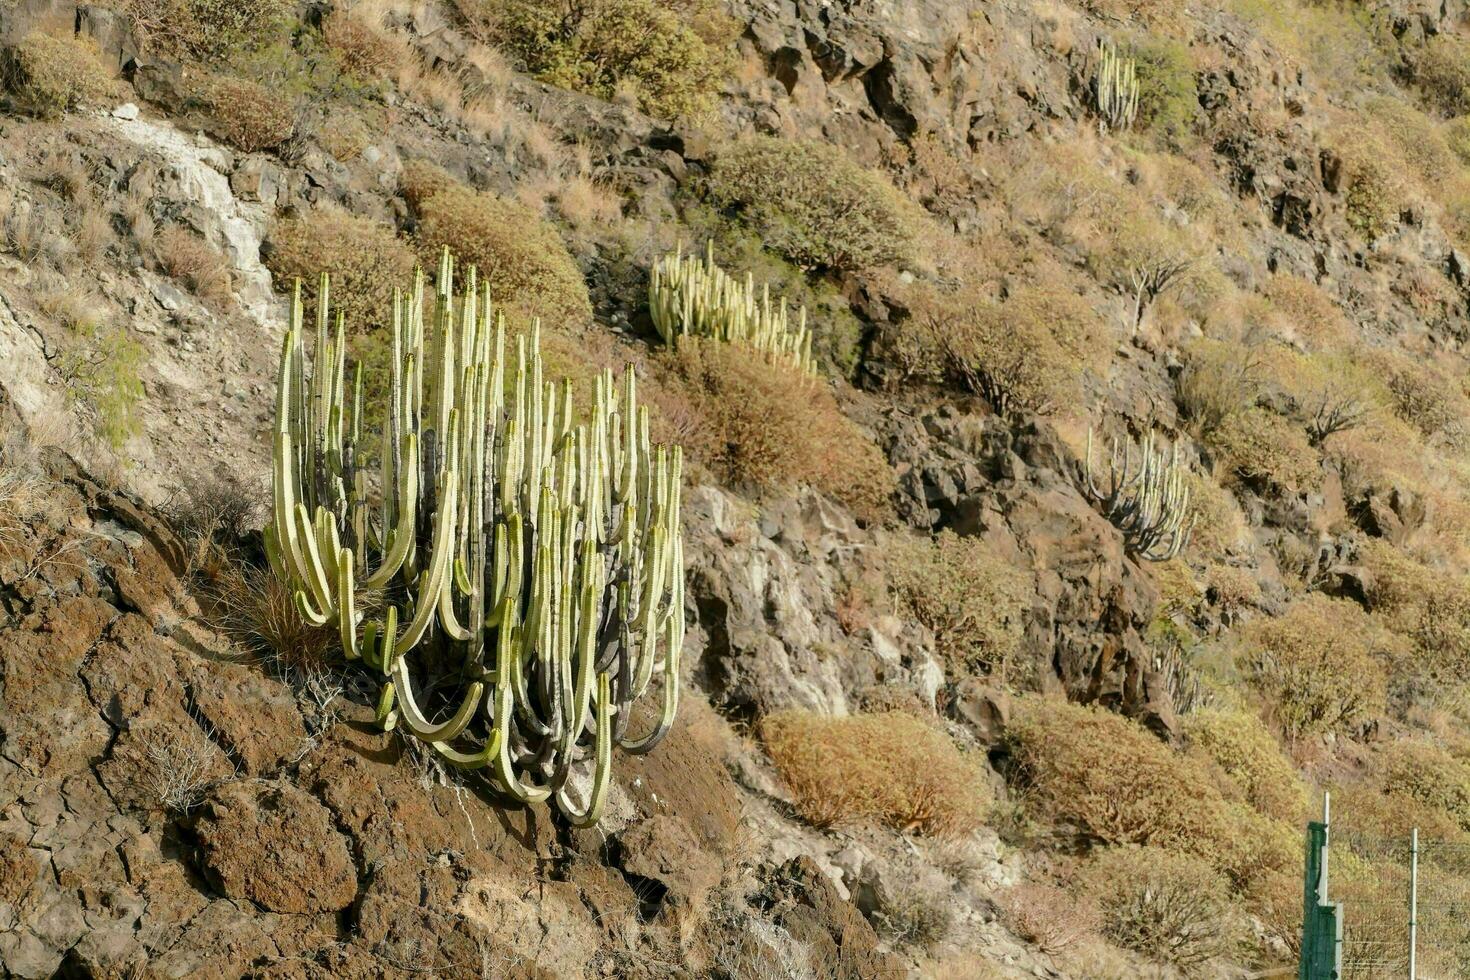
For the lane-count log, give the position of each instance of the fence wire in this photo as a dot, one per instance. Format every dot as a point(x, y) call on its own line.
point(1376, 881)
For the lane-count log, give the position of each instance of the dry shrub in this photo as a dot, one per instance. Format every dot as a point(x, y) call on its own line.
point(208, 30)
point(1220, 381)
point(814, 204)
point(1375, 178)
point(1442, 71)
point(1052, 918)
point(1232, 588)
point(765, 424)
point(1117, 782)
point(890, 768)
point(52, 75)
point(247, 115)
point(421, 180)
point(1425, 398)
point(970, 596)
point(914, 918)
point(520, 255)
point(1429, 606)
point(1424, 771)
point(1251, 760)
point(365, 258)
point(188, 258)
point(667, 56)
point(345, 134)
point(1169, 906)
point(1316, 665)
point(1269, 450)
point(1314, 316)
point(360, 51)
point(1023, 355)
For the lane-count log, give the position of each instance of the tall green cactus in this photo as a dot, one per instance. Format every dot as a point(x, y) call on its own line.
point(687, 296)
point(1150, 504)
point(1115, 87)
point(514, 571)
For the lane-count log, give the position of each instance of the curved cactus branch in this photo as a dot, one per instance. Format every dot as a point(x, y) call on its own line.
point(527, 558)
point(1148, 500)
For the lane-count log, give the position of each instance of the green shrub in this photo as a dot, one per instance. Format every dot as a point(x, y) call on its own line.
point(891, 768)
point(760, 424)
point(523, 258)
point(1250, 758)
point(52, 75)
point(970, 596)
point(1316, 664)
point(365, 258)
point(1117, 782)
point(1023, 355)
point(1169, 906)
point(247, 115)
point(1267, 449)
point(210, 30)
point(100, 365)
point(1442, 71)
point(1168, 100)
point(671, 56)
point(814, 204)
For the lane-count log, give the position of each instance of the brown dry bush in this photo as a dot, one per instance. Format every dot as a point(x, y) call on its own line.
point(1267, 449)
point(1220, 381)
point(208, 30)
point(1169, 906)
point(1425, 771)
point(1051, 917)
point(1023, 355)
point(1317, 665)
point(365, 258)
point(1314, 316)
point(519, 254)
point(764, 424)
point(52, 75)
point(360, 51)
point(247, 115)
point(1251, 760)
point(422, 179)
point(890, 768)
point(1442, 70)
point(967, 594)
point(188, 258)
point(1117, 782)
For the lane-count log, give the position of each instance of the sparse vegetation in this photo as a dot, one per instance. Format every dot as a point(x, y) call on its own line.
point(967, 594)
point(101, 365)
point(814, 204)
point(891, 768)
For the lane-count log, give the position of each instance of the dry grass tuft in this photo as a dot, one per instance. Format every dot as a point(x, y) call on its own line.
point(890, 768)
point(187, 257)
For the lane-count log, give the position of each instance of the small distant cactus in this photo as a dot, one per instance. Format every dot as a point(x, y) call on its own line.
point(692, 297)
point(1115, 86)
point(516, 576)
point(1149, 504)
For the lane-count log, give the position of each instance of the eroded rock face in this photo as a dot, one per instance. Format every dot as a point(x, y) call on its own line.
point(273, 844)
point(327, 852)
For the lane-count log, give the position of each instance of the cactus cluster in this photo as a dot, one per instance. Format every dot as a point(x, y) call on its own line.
point(692, 296)
point(1116, 87)
point(512, 571)
point(1148, 500)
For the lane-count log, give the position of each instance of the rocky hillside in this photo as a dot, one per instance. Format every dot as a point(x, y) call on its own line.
point(948, 712)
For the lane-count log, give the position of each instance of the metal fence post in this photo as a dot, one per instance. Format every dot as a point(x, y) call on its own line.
point(1413, 903)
